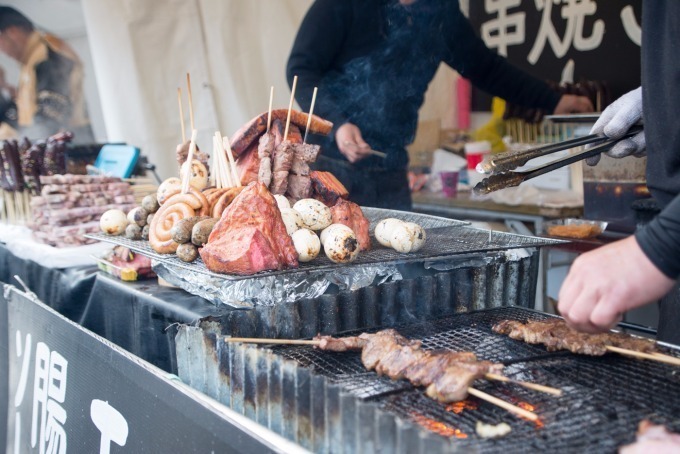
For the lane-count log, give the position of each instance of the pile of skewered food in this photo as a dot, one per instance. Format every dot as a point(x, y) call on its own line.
point(555, 334)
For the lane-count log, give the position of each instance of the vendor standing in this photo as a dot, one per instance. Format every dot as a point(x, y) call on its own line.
point(49, 96)
point(373, 61)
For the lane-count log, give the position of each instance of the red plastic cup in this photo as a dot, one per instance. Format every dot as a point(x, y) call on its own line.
point(449, 183)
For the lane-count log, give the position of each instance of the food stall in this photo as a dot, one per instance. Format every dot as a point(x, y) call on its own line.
point(249, 304)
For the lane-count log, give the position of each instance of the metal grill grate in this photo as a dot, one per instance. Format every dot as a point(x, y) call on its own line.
point(604, 397)
point(446, 239)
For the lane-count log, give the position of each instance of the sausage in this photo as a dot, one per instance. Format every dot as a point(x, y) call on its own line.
point(187, 252)
point(251, 131)
point(201, 231)
point(177, 207)
point(182, 230)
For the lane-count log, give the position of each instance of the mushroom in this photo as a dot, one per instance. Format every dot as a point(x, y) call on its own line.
point(138, 215)
point(306, 244)
point(315, 215)
point(113, 222)
point(167, 189)
point(199, 174)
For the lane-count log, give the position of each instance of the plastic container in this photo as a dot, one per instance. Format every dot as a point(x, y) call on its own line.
point(475, 153)
point(449, 183)
point(574, 228)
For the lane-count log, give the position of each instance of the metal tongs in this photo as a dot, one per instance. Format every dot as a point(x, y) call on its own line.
point(500, 167)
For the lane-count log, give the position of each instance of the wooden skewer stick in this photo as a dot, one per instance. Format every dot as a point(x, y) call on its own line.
point(496, 377)
point(191, 102)
point(181, 114)
point(254, 340)
point(186, 175)
point(528, 385)
point(654, 357)
point(290, 107)
point(3, 208)
point(232, 163)
point(309, 115)
point(503, 404)
point(269, 112)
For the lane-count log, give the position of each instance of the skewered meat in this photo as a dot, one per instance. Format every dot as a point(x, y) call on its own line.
point(350, 214)
point(447, 375)
point(652, 438)
point(327, 188)
point(264, 153)
point(305, 152)
point(11, 162)
point(250, 236)
point(251, 131)
point(299, 187)
point(555, 334)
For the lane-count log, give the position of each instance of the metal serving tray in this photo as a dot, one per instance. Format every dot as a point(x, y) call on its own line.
point(446, 239)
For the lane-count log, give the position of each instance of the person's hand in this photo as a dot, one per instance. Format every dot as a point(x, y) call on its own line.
point(608, 281)
point(615, 121)
point(573, 104)
point(351, 144)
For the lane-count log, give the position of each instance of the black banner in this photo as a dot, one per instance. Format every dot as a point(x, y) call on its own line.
point(600, 38)
point(67, 390)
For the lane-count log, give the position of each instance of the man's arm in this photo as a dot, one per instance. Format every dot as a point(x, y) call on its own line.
point(660, 240)
point(489, 71)
point(316, 46)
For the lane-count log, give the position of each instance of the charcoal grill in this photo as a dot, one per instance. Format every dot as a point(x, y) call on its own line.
point(328, 402)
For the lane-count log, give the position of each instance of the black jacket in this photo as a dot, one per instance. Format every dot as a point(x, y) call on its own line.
point(374, 59)
point(660, 240)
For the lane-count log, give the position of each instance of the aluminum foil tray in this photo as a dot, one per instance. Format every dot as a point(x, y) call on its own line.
point(446, 239)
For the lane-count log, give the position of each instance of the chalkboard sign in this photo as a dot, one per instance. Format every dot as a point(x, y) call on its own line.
point(65, 390)
point(601, 39)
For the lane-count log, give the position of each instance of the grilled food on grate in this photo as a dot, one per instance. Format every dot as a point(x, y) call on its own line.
point(555, 334)
point(654, 438)
point(447, 375)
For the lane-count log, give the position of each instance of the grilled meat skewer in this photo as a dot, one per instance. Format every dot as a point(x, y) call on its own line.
point(555, 334)
point(447, 375)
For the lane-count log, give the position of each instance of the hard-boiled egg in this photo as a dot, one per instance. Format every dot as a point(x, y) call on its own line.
point(282, 201)
point(315, 215)
point(325, 232)
point(113, 222)
point(292, 220)
point(341, 246)
point(383, 231)
point(306, 244)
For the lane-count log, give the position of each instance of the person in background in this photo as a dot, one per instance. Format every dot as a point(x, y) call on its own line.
point(605, 283)
point(373, 61)
point(49, 96)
